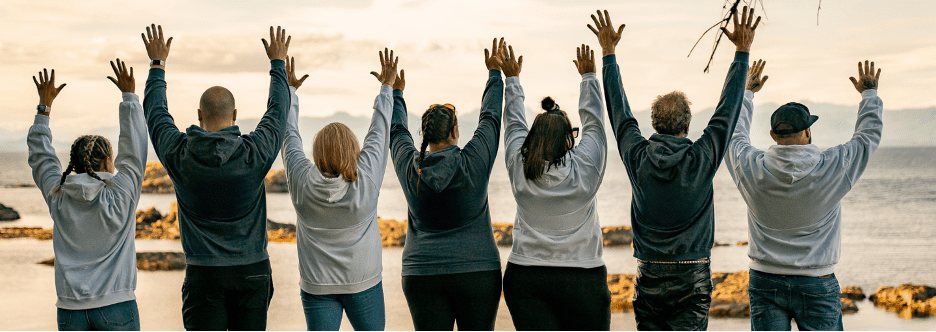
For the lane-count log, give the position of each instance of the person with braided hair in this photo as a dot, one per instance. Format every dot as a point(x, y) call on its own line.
point(93, 209)
point(555, 277)
point(451, 265)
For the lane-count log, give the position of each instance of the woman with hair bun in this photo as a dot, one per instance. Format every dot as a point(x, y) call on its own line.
point(555, 277)
point(451, 265)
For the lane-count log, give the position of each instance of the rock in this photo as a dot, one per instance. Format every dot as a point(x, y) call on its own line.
point(721, 244)
point(908, 300)
point(275, 181)
point(617, 235)
point(503, 234)
point(152, 225)
point(392, 232)
point(730, 295)
point(156, 180)
point(848, 306)
point(853, 293)
point(622, 292)
point(280, 232)
point(37, 233)
point(742, 243)
point(149, 261)
point(8, 214)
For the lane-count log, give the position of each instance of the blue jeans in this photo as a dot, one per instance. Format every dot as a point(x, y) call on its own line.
point(813, 302)
point(365, 310)
point(122, 316)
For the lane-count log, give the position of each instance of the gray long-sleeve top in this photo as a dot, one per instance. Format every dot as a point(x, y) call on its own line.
point(336, 228)
point(557, 222)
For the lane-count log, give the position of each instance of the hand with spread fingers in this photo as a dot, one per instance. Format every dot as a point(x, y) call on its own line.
point(278, 45)
point(388, 68)
point(511, 65)
point(400, 81)
point(585, 59)
point(754, 80)
point(291, 73)
point(607, 37)
point(47, 89)
point(867, 78)
point(124, 81)
point(157, 48)
point(493, 59)
point(743, 35)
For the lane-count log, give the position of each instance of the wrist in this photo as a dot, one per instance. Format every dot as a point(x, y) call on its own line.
point(745, 49)
point(606, 51)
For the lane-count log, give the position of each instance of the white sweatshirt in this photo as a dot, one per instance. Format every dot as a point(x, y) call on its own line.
point(557, 222)
point(94, 224)
point(337, 234)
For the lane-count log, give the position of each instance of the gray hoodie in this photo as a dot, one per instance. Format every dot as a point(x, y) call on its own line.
point(94, 224)
point(336, 231)
point(794, 192)
point(556, 223)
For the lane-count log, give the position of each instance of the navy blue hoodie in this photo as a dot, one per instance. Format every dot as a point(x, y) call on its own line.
point(671, 210)
point(449, 229)
point(218, 176)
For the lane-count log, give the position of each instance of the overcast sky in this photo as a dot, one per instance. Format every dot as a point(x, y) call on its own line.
point(441, 46)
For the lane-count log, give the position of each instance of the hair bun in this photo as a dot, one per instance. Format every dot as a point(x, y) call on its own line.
point(548, 104)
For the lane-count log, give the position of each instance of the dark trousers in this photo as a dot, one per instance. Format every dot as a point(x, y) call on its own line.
point(365, 310)
point(123, 316)
point(223, 298)
point(813, 302)
point(672, 296)
point(544, 298)
point(438, 302)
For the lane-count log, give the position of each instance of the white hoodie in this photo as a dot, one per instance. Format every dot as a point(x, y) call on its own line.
point(794, 192)
point(94, 224)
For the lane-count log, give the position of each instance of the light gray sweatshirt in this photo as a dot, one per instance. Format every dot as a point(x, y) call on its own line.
point(336, 231)
point(556, 223)
point(94, 225)
point(794, 192)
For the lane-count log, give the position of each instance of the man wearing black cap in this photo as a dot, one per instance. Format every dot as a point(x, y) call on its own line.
point(793, 192)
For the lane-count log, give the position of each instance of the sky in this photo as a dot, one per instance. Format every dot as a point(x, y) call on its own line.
point(441, 47)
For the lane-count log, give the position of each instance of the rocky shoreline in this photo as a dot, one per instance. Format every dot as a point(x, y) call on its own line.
point(149, 261)
point(157, 181)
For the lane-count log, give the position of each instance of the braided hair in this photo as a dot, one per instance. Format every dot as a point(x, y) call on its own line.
point(549, 139)
point(87, 153)
point(438, 122)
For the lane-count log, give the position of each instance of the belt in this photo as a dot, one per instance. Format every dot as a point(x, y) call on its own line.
point(698, 261)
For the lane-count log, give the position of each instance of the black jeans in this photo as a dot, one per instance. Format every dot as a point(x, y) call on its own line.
point(672, 296)
point(223, 298)
point(438, 302)
point(545, 298)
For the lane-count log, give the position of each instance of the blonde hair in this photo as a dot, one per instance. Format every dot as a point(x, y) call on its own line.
point(335, 151)
point(670, 113)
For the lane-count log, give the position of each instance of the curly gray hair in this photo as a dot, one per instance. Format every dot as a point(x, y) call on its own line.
point(670, 113)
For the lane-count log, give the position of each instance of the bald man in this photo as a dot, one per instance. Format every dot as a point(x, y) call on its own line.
point(218, 177)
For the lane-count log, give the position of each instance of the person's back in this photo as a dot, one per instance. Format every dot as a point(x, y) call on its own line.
point(218, 178)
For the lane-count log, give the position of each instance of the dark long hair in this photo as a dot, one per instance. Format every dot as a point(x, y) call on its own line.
point(87, 153)
point(438, 122)
point(548, 141)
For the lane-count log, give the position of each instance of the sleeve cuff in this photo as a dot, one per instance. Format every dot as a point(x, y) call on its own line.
point(277, 64)
point(292, 89)
point(742, 57)
point(748, 94)
point(157, 72)
point(494, 73)
point(869, 93)
point(41, 120)
point(588, 76)
point(513, 80)
point(609, 60)
point(130, 96)
point(398, 93)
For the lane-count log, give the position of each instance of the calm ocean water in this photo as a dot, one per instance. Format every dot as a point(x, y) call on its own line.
point(889, 223)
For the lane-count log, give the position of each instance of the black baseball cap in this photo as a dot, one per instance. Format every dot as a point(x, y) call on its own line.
point(795, 115)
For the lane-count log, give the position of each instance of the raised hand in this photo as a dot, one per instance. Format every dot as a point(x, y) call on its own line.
point(510, 65)
point(124, 80)
point(388, 68)
point(157, 48)
point(743, 35)
point(46, 87)
point(867, 79)
point(754, 81)
point(279, 44)
point(400, 82)
point(291, 73)
point(493, 59)
point(586, 59)
point(607, 37)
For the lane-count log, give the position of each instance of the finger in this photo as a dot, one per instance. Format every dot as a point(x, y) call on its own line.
point(866, 69)
point(487, 55)
point(756, 23)
point(601, 20)
point(386, 53)
point(608, 19)
point(493, 48)
point(113, 80)
point(576, 64)
point(734, 16)
point(878, 75)
point(288, 39)
point(160, 32)
point(122, 66)
point(35, 81)
point(402, 72)
point(149, 34)
point(727, 34)
point(871, 72)
point(116, 72)
point(763, 80)
point(750, 17)
point(41, 79)
point(396, 61)
point(375, 74)
point(511, 52)
point(131, 73)
point(303, 78)
point(272, 36)
point(620, 30)
point(265, 45)
point(743, 15)
point(145, 42)
point(60, 88)
point(47, 74)
point(520, 62)
point(168, 43)
point(860, 69)
point(854, 81)
point(591, 55)
point(597, 25)
point(279, 33)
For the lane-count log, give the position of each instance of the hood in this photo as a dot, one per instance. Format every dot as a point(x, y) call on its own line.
point(439, 167)
point(790, 163)
point(665, 152)
point(554, 175)
point(213, 148)
point(329, 189)
point(84, 188)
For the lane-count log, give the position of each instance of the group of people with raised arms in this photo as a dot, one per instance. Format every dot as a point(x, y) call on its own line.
point(555, 278)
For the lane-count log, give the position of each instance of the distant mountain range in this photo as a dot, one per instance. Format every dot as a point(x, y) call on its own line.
point(908, 127)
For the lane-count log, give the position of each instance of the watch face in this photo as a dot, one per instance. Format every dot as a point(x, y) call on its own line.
point(41, 108)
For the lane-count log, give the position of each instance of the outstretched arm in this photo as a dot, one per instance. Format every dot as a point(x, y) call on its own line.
point(402, 149)
point(46, 168)
point(269, 133)
point(131, 147)
point(162, 129)
point(741, 154)
point(857, 152)
point(515, 125)
point(594, 144)
point(373, 160)
point(295, 162)
point(486, 138)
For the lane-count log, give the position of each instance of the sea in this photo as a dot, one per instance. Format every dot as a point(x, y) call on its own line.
point(888, 239)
